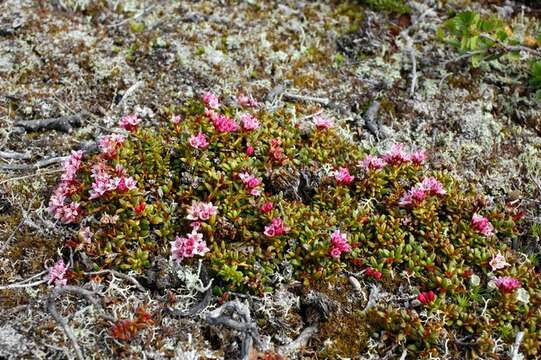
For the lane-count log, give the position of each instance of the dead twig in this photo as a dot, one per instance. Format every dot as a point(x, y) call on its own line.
point(300, 342)
point(290, 96)
point(514, 351)
point(371, 121)
point(63, 123)
point(37, 165)
point(244, 325)
point(11, 155)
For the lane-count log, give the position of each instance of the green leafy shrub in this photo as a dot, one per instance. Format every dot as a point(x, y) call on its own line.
point(535, 78)
point(395, 6)
point(279, 198)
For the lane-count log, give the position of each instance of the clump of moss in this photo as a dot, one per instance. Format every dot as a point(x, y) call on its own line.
point(266, 197)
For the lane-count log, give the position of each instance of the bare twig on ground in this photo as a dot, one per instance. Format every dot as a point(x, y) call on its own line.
point(244, 325)
point(300, 342)
point(63, 123)
point(39, 164)
point(290, 96)
point(371, 121)
point(11, 155)
point(22, 285)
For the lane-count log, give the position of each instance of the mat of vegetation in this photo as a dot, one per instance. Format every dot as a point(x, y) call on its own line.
point(270, 180)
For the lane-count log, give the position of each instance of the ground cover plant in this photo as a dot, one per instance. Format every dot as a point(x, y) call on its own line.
point(264, 199)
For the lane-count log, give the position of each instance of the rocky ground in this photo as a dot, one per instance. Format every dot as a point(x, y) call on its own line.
point(91, 61)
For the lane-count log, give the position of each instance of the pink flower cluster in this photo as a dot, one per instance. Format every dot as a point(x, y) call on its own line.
point(397, 155)
point(222, 123)
point(189, 246)
point(372, 163)
point(110, 145)
point(429, 186)
point(374, 273)
point(247, 101)
point(211, 101)
point(482, 225)
point(426, 297)
point(201, 211)
point(339, 244)
point(343, 177)
point(266, 207)
point(176, 119)
point(276, 228)
point(322, 122)
point(67, 213)
point(129, 122)
point(104, 182)
point(498, 262)
point(249, 122)
point(507, 284)
point(57, 274)
point(198, 141)
point(251, 183)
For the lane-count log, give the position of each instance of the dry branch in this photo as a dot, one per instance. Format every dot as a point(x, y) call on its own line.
point(37, 165)
point(126, 277)
point(299, 342)
point(63, 123)
point(324, 101)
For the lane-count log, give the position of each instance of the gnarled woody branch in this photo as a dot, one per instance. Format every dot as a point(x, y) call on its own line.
point(63, 123)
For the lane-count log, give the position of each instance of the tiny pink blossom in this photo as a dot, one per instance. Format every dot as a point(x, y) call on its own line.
point(176, 119)
point(339, 244)
point(275, 228)
point(498, 262)
point(343, 177)
point(120, 170)
point(57, 274)
point(189, 246)
point(86, 234)
point(224, 124)
point(251, 183)
point(372, 163)
point(72, 165)
point(418, 157)
point(247, 101)
point(201, 211)
point(110, 145)
point(198, 141)
point(396, 155)
point(249, 150)
point(249, 122)
point(507, 284)
point(125, 183)
point(129, 122)
point(266, 207)
point(211, 100)
point(322, 122)
point(432, 186)
point(482, 225)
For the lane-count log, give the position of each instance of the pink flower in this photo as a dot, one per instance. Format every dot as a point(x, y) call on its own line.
point(129, 122)
point(322, 122)
point(426, 297)
point(339, 244)
point(249, 150)
point(418, 157)
point(103, 182)
point(189, 246)
point(85, 234)
point(125, 183)
point(498, 262)
point(201, 211)
point(396, 155)
point(266, 207)
point(224, 124)
point(251, 183)
point(276, 151)
point(71, 166)
point(111, 144)
point(247, 101)
point(482, 225)
point(120, 170)
point(211, 100)
point(374, 273)
point(275, 228)
point(57, 274)
point(372, 163)
point(199, 141)
point(343, 177)
point(140, 208)
point(507, 284)
point(176, 119)
point(432, 186)
point(249, 122)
